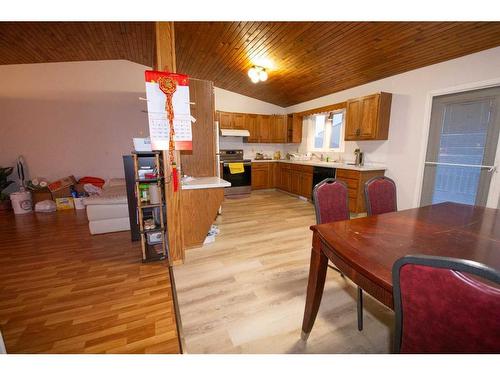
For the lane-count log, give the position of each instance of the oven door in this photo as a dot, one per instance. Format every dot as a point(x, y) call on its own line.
point(238, 179)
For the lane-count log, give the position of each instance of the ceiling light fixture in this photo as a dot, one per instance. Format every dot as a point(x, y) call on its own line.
point(257, 74)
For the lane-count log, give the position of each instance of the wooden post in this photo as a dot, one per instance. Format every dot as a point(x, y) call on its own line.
point(165, 61)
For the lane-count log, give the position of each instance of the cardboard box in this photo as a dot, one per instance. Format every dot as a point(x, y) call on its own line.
point(41, 195)
point(66, 192)
point(62, 183)
point(64, 204)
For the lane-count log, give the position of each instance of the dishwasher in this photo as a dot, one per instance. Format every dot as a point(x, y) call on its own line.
point(319, 174)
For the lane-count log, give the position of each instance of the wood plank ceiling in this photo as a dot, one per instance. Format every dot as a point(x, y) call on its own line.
point(312, 59)
point(308, 59)
point(42, 42)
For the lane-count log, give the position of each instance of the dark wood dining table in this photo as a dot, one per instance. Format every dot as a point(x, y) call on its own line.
point(365, 249)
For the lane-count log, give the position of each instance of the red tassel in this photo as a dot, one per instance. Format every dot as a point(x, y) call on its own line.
point(175, 177)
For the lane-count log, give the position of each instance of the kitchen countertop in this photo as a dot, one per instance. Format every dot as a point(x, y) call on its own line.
point(319, 163)
point(205, 183)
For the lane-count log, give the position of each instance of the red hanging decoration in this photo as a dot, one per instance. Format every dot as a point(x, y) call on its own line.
point(168, 86)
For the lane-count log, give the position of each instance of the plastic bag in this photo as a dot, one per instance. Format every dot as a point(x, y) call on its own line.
point(45, 206)
point(92, 189)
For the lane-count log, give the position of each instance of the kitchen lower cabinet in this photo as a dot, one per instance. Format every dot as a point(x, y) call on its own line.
point(296, 179)
point(295, 184)
point(262, 176)
point(355, 181)
point(306, 184)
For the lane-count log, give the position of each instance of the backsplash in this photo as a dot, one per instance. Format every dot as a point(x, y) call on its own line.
point(249, 149)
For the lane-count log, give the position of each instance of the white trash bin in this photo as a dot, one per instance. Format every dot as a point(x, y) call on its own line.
point(21, 202)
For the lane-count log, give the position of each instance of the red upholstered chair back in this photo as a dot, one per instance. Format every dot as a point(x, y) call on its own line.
point(446, 305)
point(380, 195)
point(330, 201)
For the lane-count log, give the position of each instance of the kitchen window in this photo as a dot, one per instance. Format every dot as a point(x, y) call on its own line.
point(328, 132)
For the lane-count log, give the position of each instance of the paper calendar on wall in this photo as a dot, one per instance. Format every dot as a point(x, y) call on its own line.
point(174, 94)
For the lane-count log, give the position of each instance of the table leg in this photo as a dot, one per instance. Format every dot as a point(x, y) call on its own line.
point(315, 286)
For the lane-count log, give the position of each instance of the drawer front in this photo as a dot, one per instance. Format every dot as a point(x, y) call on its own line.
point(347, 173)
point(260, 166)
point(351, 184)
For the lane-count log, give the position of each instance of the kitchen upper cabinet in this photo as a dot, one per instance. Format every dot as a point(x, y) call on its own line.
point(294, 128)
point(239, 121)
point(279, 129)
point(367, 118)
point(229, 120)
point(264, 128)
point(225, 120)
point(252, 125)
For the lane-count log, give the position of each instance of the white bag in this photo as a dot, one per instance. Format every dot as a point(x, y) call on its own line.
point(45, 206)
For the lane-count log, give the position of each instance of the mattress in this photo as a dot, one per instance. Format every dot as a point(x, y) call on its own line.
point(106, 211)
point(111, 195)
point(109, 225)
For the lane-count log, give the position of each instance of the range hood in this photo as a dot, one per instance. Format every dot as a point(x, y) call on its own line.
point(234, 133)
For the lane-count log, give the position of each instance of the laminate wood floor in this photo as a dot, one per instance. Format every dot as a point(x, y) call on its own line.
point(245, 293)
point(65, 291)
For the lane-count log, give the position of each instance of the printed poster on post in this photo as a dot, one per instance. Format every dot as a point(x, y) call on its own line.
point(168, 92)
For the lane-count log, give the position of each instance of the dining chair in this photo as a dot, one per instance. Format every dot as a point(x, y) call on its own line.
point(331, 203)
point(445, 305)
point(380, 195)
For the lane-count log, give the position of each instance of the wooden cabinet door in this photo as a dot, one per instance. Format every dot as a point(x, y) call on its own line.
point(295, 177)
point(278, 129)
point(296, 128)
point(306, 185)
point(285, 178)
point(276, 175)
point(239, 121)
point(369, 116)
point(353, 117)
point(264, 128)
point(260, 176)
point(252, 125)
point(225, 120)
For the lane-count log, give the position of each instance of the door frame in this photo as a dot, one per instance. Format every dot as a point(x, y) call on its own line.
point(493, 200)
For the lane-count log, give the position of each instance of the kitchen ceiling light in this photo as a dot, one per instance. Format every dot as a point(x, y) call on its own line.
point(257, 74)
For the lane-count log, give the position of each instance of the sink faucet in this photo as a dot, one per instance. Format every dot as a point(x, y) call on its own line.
point(317, 157)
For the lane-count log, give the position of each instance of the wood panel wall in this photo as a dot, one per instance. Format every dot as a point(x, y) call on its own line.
point(200, 162)
point(165, 61)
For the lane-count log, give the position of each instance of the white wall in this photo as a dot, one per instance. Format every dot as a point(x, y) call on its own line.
point(233, 102)
point(404, 152)
point(71, 118)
